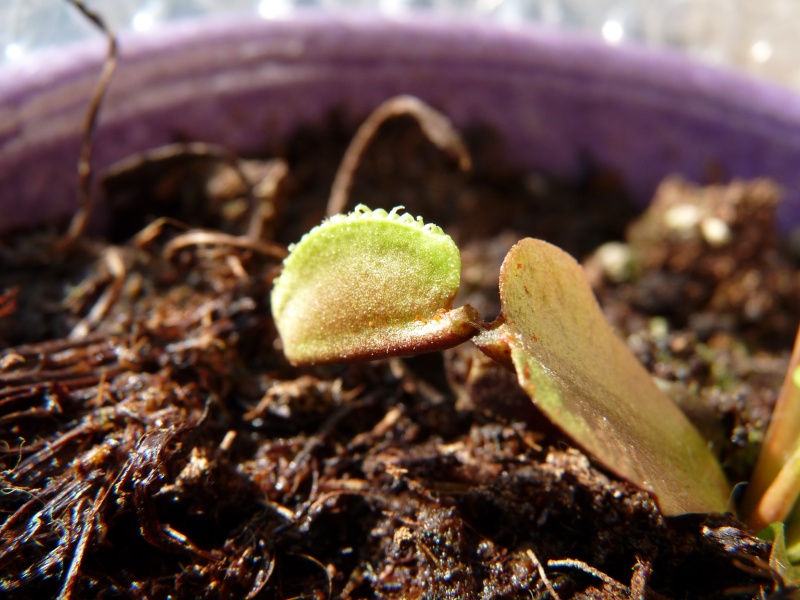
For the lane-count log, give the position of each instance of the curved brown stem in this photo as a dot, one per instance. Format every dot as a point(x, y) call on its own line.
point(436, 127)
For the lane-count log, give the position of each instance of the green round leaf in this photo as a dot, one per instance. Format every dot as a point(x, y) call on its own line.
point(367, 285)
point(584, 378)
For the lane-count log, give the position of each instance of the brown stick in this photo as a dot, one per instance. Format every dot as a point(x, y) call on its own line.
point(78, 224)
point(436, 127)
point(196, 237)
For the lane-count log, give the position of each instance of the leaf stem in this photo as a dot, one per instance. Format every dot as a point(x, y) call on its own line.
point(781, 446)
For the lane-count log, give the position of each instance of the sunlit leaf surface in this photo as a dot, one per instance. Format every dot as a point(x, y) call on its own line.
point(779, 560)
point(367, 285)
point(583, 377)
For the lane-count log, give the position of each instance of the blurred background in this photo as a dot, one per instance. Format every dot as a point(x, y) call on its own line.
point(760, 37)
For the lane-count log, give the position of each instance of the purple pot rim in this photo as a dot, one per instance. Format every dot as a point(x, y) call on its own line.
point(646, 66)
point(652, 80)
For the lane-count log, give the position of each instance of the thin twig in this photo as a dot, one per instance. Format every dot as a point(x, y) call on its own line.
point(436, 127)
point(547, 583)
point(262, 577)
point(155, 229)
point(85, 518)
point(78, 224)
point(112, 257)
point(639, 577)
point(8, 302)
point(268, 188)
point(198, 237)
point(572, 563)
point(321, 566)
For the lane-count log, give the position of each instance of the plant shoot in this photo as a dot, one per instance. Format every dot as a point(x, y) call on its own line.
point(373, 284)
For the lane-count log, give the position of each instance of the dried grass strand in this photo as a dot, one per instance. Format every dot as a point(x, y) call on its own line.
point(86, 203)
point(573, 563)
point(542, 574)
point(201, 237)
point(112, 259)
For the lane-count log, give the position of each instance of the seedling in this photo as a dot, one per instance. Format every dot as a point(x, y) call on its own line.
point(373, 284)
point(774, 488)
point(367, 285)
point(780, 567)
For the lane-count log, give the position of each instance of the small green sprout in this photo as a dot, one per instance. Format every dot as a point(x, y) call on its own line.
point(781, 564)
point(774, 487)
point(587, 382)
point(373, 284)
point(368, 285)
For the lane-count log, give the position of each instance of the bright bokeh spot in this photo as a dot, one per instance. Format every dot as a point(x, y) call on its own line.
point(613, 32)
point(14, 51)
point(274, 9)
point(761, 51)
point(143, 21)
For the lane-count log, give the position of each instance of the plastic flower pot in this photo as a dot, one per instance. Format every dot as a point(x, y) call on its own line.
point(553, 99)
point(247, 84)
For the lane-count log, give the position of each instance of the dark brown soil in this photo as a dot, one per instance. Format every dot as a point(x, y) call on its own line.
point(155, 443)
